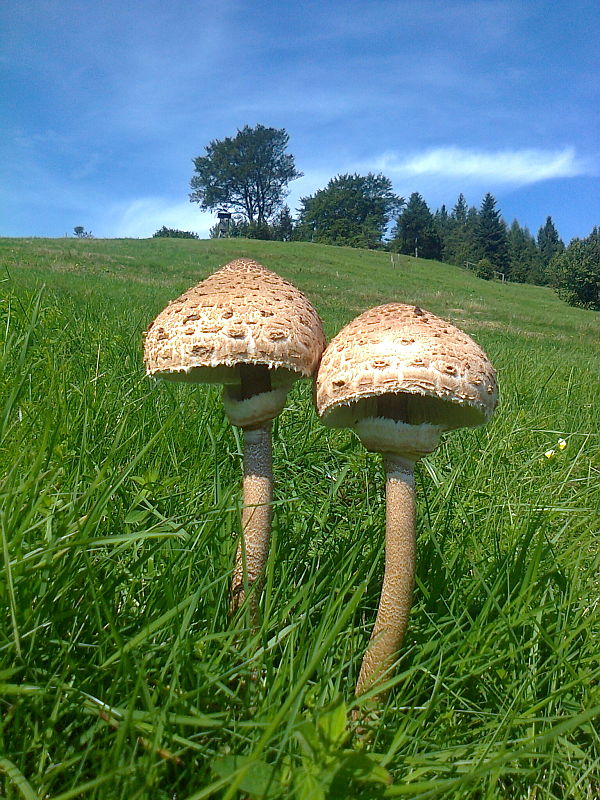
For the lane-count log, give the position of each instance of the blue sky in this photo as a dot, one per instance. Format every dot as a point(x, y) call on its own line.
point(105, 104)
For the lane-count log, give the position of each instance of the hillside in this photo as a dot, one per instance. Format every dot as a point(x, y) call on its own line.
point(341, 280)
point(532, 337)
point(121, 673)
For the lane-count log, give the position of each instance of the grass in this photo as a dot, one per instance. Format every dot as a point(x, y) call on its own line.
point(121, 675)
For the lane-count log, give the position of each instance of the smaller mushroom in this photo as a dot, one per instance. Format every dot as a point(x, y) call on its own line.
point(253, 332)
point(399, 377)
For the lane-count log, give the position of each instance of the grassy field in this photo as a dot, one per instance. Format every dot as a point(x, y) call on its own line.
point(121, 675)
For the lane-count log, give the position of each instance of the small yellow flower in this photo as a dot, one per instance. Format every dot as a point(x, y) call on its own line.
point(550, 453)
point(561, 444)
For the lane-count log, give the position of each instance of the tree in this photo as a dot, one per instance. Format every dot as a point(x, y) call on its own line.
point(249, 172)
point(460, 237)
point(442, 224)
point(460, 211)
point(484, 269)
point(173, 233)
point(575, 273)
point(80, 232)
point(351, 210)
point(549, 243)
point(523, 255)
point(415, 232)
point(283, 226)
point(491, 236)
point(237, 228)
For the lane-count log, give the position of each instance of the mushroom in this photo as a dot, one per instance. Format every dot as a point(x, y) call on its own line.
point(399, 377)
point(255, 333)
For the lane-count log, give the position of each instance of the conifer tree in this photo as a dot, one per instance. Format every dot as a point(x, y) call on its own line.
point(460, 210)
point(491, 235)
point(549, 242)
point(523, 256)
point(458, 246)
point(283, 227)
point(415, 232)
point(442, 225)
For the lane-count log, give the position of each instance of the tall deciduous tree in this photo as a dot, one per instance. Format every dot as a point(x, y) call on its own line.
point(415, 232)
point(248, 172)
point(575, 272)
point(351, 210)
point(492, 240)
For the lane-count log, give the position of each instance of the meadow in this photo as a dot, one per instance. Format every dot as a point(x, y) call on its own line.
point(121, 673)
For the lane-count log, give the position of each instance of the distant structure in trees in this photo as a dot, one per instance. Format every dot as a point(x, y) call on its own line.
point(80, 232)
point(224, 223)
point(248, 173)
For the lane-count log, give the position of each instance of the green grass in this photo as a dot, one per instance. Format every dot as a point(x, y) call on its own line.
point(121, 675)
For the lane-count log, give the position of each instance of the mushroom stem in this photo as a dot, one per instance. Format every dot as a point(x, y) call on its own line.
point(253, 549)
point(399, 575)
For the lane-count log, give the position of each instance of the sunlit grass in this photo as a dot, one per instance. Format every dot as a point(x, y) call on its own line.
point(121, 675)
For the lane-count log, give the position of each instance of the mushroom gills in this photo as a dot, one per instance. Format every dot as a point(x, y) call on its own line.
point(415, 409)
point(254, 379)
point(229, 375)
point(408, 407)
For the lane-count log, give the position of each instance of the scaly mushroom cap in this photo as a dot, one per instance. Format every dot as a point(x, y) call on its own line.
point(243, 314)
point(432, 375)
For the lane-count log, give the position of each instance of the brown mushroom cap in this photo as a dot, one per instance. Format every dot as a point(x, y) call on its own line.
point(403, 363)
point(241, 314)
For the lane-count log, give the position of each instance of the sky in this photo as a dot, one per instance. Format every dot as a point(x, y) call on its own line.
point(103, 105)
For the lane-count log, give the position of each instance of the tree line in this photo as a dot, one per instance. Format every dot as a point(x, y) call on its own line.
point(248, 175)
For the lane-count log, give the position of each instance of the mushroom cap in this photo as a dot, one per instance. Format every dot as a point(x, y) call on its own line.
point(241, 314)
point(432, 372)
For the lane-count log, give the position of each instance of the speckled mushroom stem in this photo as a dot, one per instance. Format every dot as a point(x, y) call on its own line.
point(399, 575)
point(253, 550)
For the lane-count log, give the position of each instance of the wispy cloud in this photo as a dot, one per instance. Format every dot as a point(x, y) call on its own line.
point(499, 166)
point(103, 119)
point(143, 216)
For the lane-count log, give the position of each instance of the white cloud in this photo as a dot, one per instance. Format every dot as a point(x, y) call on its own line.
point(145, 215)
point(499, 166)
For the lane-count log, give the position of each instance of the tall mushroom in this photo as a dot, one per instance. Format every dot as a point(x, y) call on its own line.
point(399, 377)
point(255, 333)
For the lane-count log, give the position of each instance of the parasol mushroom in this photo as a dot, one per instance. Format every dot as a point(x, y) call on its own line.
point(399, 377)
point(255, 333)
